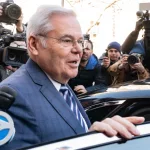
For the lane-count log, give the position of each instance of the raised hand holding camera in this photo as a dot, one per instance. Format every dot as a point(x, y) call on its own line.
point(10, 12)
point(106, 61)
point(139, 24)
point(124, 61)
point(138, 66)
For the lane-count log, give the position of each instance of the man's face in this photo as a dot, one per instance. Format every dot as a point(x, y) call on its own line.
point(87, 51)
point(113, 54)
point(59, 61)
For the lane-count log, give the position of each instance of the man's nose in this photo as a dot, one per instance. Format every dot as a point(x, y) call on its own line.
point(77, 47)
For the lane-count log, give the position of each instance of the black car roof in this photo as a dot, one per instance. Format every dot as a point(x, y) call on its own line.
point(136, 89)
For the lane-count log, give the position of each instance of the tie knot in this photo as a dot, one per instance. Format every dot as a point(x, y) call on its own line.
point(63, 89)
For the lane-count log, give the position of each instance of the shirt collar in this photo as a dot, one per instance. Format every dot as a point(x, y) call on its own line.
point(55, 83)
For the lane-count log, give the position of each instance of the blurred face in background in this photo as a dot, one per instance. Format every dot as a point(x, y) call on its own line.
point(114, 54)
point(87, 51)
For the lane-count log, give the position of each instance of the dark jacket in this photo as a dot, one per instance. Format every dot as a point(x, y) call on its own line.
point(125, 74)
point(88, 75)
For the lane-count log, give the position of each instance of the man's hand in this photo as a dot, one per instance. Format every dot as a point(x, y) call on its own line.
point(118, 125)
point(124, 61)
point(139, 24)
point(1, 10)
point(11, 68)
point(19, 24)
point(106, 62)
point(80, 89)
point(138, 66)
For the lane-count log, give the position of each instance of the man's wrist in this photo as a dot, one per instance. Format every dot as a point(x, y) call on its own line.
point(120, 66)
point(142, 72)
point(20, 28)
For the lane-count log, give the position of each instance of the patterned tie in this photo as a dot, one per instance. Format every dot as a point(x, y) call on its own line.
point(73, 106)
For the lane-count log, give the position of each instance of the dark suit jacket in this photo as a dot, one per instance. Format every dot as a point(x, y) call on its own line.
point(39, 112)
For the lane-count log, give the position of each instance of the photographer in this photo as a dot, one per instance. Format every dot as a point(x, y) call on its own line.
point(20, 27)
point(128, 68)
point(6, 40)
point(88, 71)
point(142, 45)
point(111, 56)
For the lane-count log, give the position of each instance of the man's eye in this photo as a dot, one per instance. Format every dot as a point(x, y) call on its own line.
point(66, 41)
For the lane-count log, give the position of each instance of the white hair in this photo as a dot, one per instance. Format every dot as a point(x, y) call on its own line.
point(40, 22)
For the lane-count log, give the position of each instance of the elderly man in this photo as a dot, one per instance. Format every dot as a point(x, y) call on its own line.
point(41, 111)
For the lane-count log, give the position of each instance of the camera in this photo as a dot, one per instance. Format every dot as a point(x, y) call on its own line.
point(4, 31)
point(14, 56)
point(7, 38)
point(11, 12)
point(134, 58)
point(86, 37)
point(10, 55)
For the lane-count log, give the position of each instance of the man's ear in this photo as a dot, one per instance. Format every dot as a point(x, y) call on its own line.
point(33, 45)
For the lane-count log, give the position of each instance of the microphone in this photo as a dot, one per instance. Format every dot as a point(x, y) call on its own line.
point(7, 97)
point(7, 129)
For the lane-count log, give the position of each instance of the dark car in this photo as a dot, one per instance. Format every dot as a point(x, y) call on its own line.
point(126, 99)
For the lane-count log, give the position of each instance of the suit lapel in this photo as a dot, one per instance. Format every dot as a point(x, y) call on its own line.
point(55, 99)
point(53, 96)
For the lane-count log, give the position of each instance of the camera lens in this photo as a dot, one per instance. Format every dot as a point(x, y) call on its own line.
point(12, 56)
point(13, 11)
point(132, 59)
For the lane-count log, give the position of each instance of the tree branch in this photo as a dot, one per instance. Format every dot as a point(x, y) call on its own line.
point(101, 15)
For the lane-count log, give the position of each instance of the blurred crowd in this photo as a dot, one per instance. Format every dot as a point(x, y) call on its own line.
point(119, 63)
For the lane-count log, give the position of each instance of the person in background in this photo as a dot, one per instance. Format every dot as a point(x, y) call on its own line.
point(112, 55)
point(88, 71)
point(129, 67)
point(7, 70)
point(45, 108)
point(142, 46)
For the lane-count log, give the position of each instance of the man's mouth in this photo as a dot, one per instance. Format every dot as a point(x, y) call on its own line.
point(84, 56)
point(74, 63)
